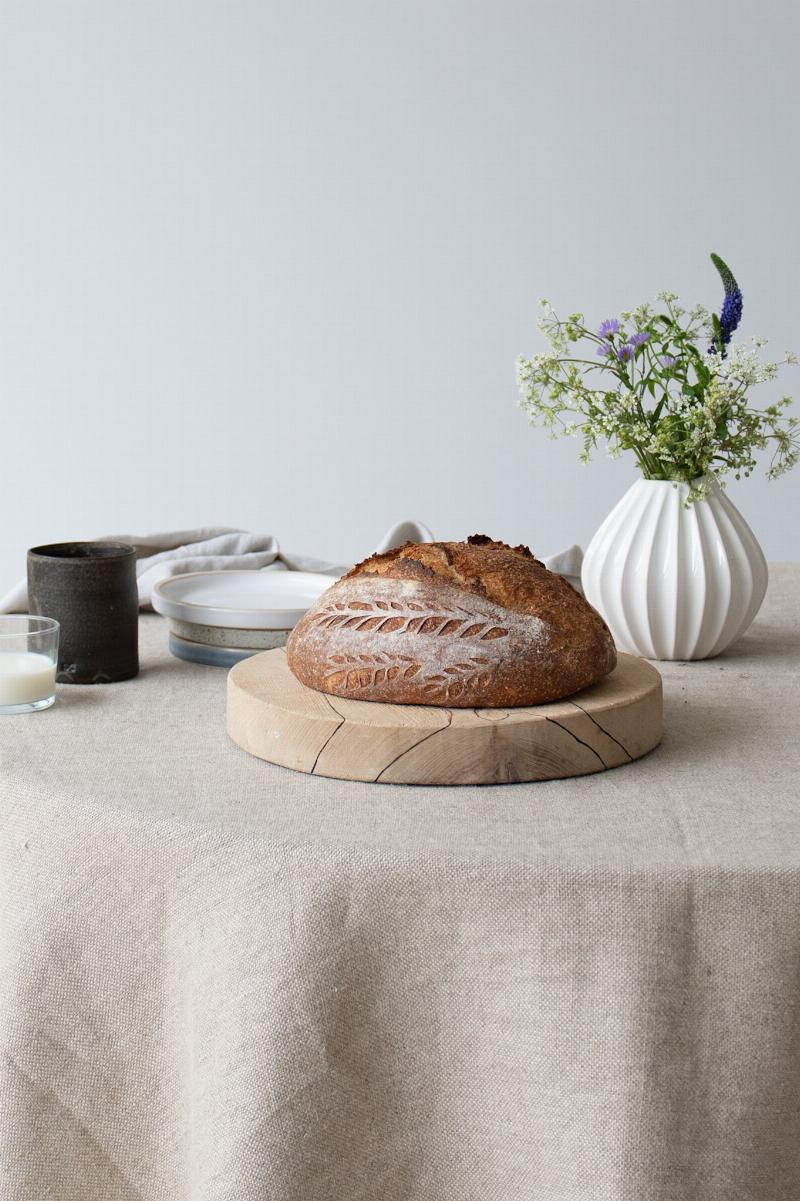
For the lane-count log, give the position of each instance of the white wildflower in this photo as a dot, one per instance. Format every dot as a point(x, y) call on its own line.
point(678, 408)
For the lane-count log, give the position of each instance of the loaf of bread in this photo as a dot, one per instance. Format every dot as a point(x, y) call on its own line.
point(474, 624)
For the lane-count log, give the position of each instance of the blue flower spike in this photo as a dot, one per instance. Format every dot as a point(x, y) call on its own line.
point(732, 305)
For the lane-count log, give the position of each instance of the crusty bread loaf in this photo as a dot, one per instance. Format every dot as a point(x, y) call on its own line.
point(474, 624)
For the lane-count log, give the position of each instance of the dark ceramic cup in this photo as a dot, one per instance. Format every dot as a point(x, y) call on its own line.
point(90, 589)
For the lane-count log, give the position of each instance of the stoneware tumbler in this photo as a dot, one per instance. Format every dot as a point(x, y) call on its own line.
point(90, 590)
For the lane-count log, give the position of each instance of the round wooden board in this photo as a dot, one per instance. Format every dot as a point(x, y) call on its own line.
point(272, 715)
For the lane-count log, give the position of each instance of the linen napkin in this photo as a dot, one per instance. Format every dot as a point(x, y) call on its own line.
point(218, 548)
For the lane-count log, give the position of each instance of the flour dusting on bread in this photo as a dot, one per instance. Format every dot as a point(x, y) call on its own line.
point(475, 624)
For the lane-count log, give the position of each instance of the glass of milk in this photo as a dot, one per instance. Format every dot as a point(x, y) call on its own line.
point(28, 661)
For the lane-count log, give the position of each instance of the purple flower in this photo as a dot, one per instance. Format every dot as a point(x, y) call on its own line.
point(732, 305)
point(667, 360)
point(611, 326)
point(638, 340)
point(731, 314)
point(604, 350)
point(624, 353)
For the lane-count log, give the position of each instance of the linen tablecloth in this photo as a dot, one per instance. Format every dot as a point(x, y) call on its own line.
point(223, 981)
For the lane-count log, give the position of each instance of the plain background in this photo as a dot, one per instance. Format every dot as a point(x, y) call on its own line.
point(269, 263)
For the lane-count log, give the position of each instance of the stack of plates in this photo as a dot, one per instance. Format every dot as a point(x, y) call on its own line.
point(221, 617)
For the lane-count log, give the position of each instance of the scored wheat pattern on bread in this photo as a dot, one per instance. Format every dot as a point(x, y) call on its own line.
point(391, 618)
point(462, 624)
point(384, 639)
point(354, 672)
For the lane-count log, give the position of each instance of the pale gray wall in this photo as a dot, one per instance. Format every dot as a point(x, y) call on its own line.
point(271, 263)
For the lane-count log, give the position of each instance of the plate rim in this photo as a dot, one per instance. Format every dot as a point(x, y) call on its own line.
point(228, 616)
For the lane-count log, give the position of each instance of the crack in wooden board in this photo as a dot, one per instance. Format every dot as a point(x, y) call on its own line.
point(335, 730)
point(572, 734)
point(409, 749)
point(603, 729)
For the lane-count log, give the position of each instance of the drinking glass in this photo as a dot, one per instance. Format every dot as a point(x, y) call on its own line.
point(28, 660)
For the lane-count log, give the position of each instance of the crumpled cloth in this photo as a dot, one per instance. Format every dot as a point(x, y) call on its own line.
point(218, 548)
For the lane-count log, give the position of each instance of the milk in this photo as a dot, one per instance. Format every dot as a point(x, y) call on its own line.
point(26, 677)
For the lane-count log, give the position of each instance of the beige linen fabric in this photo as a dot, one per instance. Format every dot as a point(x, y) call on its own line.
point(223, 981)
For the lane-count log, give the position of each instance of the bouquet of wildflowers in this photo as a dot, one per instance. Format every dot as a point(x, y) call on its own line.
point(666, 384)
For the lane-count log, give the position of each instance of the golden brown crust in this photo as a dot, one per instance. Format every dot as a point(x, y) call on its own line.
point(465, 624)
point(464, 563)
point(509, 576)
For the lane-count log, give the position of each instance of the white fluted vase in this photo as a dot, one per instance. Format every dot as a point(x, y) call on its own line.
point(674, 582)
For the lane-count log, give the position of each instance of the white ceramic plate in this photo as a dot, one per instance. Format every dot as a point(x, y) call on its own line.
point(251, 600)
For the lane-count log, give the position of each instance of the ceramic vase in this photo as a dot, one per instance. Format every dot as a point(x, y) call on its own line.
point(671, 581)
